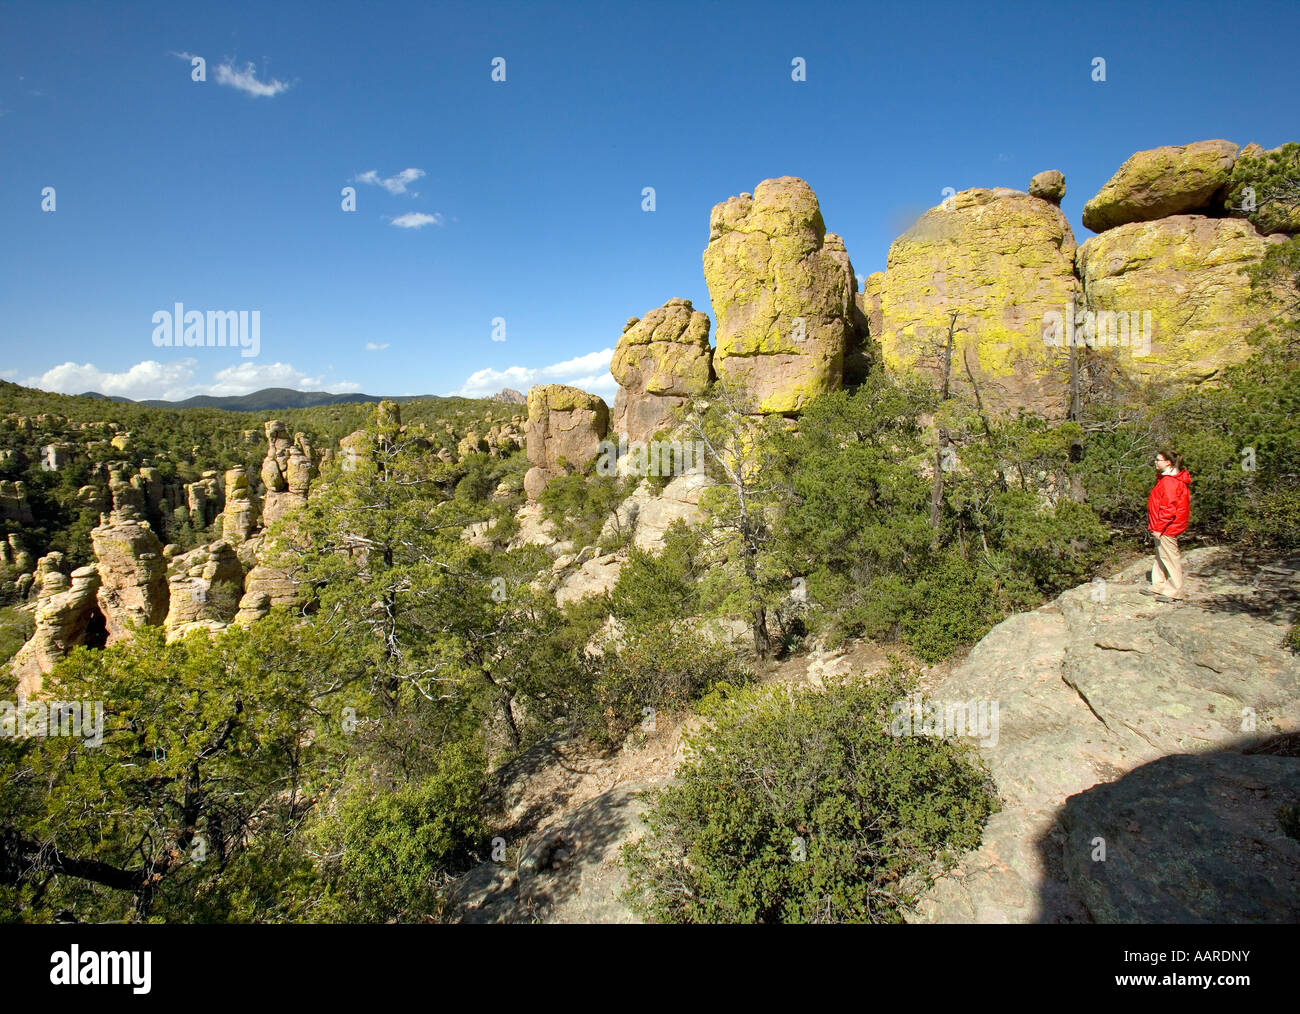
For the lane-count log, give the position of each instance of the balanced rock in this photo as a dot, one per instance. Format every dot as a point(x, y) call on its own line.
point(132, 574)
point(1160, 182)
point(564, 430)
point(782, 291)
point(205, 589)
point(1049, 186)
point(999, 260)
point(661, 362)
point(1186, 271)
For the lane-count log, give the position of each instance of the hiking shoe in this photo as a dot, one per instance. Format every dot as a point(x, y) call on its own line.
point(1146, 591)
point(1165, 598)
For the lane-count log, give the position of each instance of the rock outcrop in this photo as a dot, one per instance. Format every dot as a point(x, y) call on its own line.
point(239, 519)
point(999, 260)
point(1171, 180)
point(13, 503)
point(564, 430)
point(287, 472)
point(204, 589)
point(132, 573)
point(1122, 721)
point(662, 361)
point(1186, 271)
point(65, 616)
point(783, 292)
point(204, 499)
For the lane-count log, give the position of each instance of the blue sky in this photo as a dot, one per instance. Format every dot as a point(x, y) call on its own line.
point(225, 194)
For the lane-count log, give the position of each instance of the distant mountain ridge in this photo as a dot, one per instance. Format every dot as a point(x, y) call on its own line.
point(269, 399)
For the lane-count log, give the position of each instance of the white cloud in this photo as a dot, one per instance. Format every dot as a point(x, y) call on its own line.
point(148, 379)
point(245, 377)
point(416, 220)
point(175, 381)
point(579, 372)
point(246, 81)
point(395, 184)
point(582, 364)
point(376, 346)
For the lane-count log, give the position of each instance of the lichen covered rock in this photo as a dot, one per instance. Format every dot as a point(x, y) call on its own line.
point(1171, 180)
point(662, 360)
point(1048, 186)
point(1001, 260)
point(564, 430)
point(1186, 271)
point(782, 290)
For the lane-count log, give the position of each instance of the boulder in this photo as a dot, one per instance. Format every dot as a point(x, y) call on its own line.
point(132, 574)
point(1171, 180)
point(564, 430)
point(662, 360)
point(1001, 261)
point(1048, 186)
point(783, 296)
point(595, 577)
point(1187, 272)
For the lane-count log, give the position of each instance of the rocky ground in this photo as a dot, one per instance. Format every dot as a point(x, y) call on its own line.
point(1120, 718)
point(1158, 730)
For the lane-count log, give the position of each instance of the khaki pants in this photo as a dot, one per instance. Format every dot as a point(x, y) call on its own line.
point(1167, 571)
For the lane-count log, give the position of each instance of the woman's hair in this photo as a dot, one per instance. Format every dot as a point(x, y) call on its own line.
point(1174, 458)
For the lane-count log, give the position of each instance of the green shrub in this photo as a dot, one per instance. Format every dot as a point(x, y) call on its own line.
point(388, 857)
point(799, 806)
point(579, 505)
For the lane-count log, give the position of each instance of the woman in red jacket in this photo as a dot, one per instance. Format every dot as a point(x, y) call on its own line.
point(1168, 507)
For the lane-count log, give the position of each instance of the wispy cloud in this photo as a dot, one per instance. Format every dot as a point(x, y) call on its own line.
point(416, 220)
point(376, 346)
point(395, 184)
point(246, 81)
point(589, 372)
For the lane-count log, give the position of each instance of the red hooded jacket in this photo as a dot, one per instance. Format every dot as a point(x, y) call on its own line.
point(1169, 504)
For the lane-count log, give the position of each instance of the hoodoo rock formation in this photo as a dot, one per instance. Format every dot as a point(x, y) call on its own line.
point(132, 572)
point(783, 296)
point(287, 472)
point(662, 360)
point(999, 260)
point(204, 589)
point(564, 430)
point(66, 616)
